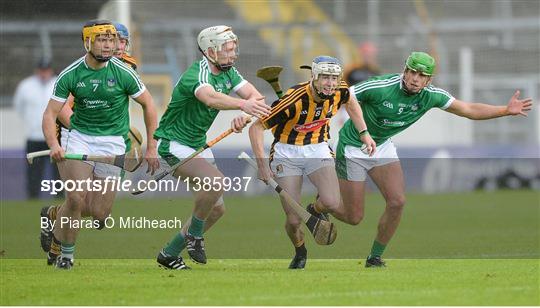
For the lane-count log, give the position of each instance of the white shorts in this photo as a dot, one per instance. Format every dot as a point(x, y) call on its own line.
point(75, 142)
point(172, 152)
point(353, 164)
point(293, 160)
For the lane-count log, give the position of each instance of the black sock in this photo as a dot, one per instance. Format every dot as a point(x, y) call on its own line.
point(301, 250)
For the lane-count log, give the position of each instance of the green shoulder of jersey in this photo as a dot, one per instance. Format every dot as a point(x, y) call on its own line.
point(388, 110)
point(187, 119)
point(101, 96)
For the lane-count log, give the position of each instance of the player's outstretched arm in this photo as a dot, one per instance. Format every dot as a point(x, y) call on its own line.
point(49, 129)
point(357, 117)
point(255, 106)
point(479, 111)
point(256, 137)
point(150, 120)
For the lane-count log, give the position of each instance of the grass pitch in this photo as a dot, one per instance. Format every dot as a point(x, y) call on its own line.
point(268, 282)
point(457, 249)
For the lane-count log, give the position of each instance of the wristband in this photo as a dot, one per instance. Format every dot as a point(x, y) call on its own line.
point(362, 133)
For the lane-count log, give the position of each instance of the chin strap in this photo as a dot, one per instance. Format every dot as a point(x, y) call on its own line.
point(320, 94)
point(221, 67)
point(404, 88)
point(100, 59)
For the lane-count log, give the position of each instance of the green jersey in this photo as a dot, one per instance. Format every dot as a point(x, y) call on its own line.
point(388, 110)
point(101, 96)
point(187, 119)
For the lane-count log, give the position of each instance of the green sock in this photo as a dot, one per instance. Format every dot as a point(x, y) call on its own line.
point(67, 250)
point(377, 249)
point(197, 227)
point(175, 246)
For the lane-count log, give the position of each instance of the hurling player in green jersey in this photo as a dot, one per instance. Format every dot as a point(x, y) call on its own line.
point(101, 86)
point(93, 207)
point(202, 91)
point(390, 104)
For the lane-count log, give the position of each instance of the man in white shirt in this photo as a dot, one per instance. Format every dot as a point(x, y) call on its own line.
point(30, 100)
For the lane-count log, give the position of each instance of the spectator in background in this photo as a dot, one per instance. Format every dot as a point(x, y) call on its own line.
point(358, 72)
point(367, 66)
point(30, 100)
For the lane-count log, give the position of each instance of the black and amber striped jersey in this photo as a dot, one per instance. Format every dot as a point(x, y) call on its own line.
point(297, 119)
point(129, 60)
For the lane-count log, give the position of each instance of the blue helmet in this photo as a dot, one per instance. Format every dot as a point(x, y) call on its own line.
point(325, 65)
point(122, 31)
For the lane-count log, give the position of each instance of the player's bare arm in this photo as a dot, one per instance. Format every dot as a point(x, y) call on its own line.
point(65, 113)
point(357, 117)
point(49, 129)
point(255, 106)
point(256, 137)
point(239, 122)
point(247, 91)
point(480, 111)
point(150, 120)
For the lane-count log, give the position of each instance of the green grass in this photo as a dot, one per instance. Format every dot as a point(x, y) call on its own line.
point(267, 282)
point(452, 249)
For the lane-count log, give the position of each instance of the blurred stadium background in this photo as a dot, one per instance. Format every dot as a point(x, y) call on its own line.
point(485, 50)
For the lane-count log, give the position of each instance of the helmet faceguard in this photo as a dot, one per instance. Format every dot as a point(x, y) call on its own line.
point(325, 65)
point(123, 34)
point(91, 30)
point(214, 38)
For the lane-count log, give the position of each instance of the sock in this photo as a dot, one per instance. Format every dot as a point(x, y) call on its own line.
point(176, 245)
point(52, 212)
point(377, 249)
point(55, 246)
point(197, 227)
point(68, 250)
point(301, 250)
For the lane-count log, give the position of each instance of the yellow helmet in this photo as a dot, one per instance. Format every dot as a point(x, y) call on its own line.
point(94, 28)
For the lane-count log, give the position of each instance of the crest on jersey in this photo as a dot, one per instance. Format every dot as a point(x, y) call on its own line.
point(111, 82)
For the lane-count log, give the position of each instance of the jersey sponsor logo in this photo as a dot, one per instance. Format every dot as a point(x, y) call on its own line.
point(81, 84)
point(393, 123)
point(91, 104)
point(387, 104)
point(310, 127)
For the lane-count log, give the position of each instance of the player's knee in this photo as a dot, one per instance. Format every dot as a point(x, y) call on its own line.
point(356, 218)
point(293, 222)
point(396, 203)
point(331, 203)
point(75, 200)
point(211, 196)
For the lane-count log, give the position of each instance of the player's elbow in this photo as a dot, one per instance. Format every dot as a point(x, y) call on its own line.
point(256, 130)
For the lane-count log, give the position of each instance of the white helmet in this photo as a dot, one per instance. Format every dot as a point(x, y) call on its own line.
point(214, 37)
